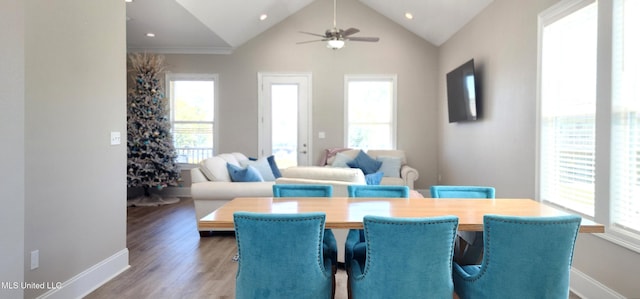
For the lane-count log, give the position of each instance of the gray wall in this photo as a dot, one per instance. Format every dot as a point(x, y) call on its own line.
point(400, 52)
point(63, 90)
point(12, 149)
point(500, 149)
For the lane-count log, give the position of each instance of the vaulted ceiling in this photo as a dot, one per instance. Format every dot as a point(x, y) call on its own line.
point(220, 26)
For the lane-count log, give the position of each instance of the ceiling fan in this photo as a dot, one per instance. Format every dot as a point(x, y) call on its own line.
point(335, 37)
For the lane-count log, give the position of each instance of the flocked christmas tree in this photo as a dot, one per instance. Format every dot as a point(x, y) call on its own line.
point(150, 152)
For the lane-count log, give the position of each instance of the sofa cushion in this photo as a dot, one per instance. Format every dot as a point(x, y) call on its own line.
point(392, 181)
point(349, 175)
point(247, 174)
point(262, 165)
point(215, 169)
point(390, 166)
point(367, 164)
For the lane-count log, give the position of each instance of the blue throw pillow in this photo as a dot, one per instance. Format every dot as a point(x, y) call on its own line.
point(374, 178)
point(367, 164)
point(263, 167)
point(239, 174)
point(274, 167)
point(272, 164)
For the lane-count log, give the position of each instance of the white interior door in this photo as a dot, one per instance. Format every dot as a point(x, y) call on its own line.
point(284, 129)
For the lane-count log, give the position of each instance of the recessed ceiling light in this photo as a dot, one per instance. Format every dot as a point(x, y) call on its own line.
point(408, 15)
point(151, 34)
point(128, 0)
point(263, 17)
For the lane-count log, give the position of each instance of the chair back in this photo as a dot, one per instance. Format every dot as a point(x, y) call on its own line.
point(302, 190)
point(281, 256)
point(378, 191)
point(525, 257)
point(405, 258)
point(462, 192)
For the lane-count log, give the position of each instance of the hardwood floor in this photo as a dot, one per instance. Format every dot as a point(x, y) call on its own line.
point(169, 259)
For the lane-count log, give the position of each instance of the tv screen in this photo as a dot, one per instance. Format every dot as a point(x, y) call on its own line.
point(462, 97)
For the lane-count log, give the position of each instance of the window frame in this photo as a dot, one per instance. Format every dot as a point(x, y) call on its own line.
point(393, 78)
point(195, 77)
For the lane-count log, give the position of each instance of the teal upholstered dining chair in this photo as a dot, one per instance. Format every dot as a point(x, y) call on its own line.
point(462, 192)
point(405, 258)
point(281, 256)
point(535, 264)
point(355, 237)
point(378, 191)
point(312, 190)
point(302, 190)
point(468, 248)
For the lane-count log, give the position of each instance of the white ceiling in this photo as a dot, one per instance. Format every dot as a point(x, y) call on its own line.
point(219, 26)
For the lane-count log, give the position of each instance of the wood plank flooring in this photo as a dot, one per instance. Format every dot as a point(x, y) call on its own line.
point(169, 259)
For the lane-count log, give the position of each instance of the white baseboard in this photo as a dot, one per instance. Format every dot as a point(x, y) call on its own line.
point(587, 287)
point(92, 278)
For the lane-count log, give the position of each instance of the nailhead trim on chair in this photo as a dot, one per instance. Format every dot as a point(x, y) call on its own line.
point(320, 262)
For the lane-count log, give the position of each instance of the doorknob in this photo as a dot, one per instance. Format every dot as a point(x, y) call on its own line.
point(303, 152)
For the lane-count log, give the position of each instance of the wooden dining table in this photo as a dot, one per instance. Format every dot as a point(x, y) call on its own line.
point(348, 212)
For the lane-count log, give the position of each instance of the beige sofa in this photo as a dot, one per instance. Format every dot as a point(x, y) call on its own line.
point(406, 175)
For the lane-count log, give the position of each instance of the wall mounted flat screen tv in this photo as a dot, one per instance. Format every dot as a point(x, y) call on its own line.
point(462, 96)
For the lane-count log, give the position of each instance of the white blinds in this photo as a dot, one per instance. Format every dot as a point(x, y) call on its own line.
point(625, 180)
point(568, 106)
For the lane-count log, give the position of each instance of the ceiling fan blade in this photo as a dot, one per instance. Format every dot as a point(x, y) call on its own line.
point(311, 41)
point(314, 34)
point(349, 31)
point(363, 39)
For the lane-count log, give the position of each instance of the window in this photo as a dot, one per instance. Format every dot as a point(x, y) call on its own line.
point(568, 110)
point(589, 99)
point(625, 138)
point(193, 98)
point(370, 111)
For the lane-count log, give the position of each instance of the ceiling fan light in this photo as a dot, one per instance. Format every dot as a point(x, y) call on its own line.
point(335, 44)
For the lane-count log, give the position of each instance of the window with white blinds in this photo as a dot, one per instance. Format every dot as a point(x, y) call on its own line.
point(568, 108)
point(589, 81)
point(625, 138)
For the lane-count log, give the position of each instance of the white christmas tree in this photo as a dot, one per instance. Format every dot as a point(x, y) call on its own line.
point(151, 155)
